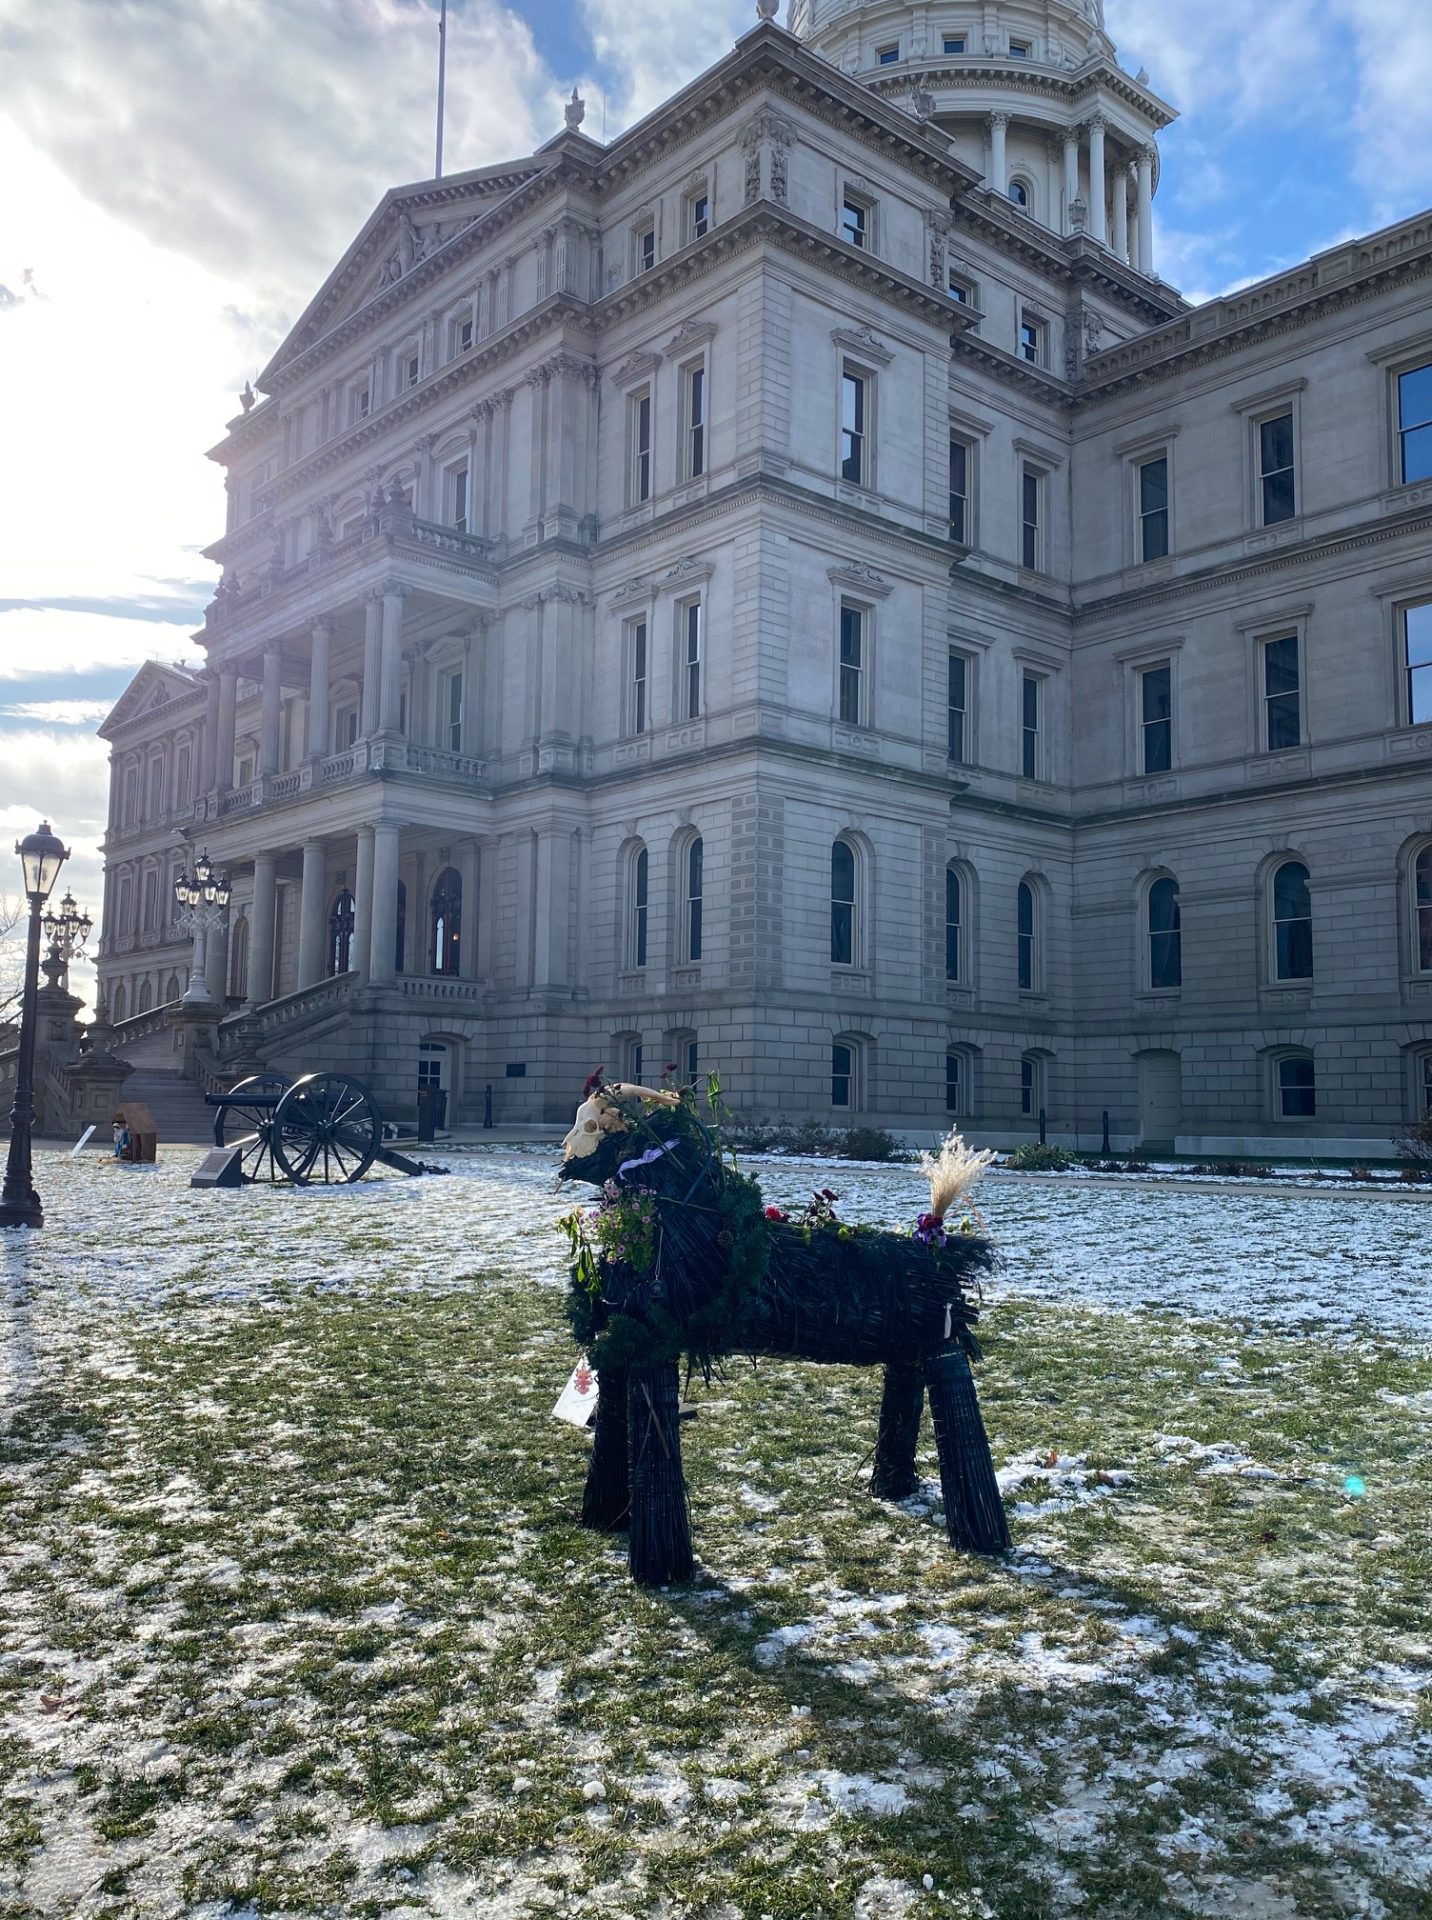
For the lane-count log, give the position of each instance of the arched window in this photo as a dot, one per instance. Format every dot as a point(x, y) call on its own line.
point(1295, 1087)
point(146, 995)
point(694, 881)
point(954, 925)
point(638, 893)
point(131, 793)
point(121, 1004)
point(1292, 923)
point(149, 905)
point(1165, 935)
point(1422, 911)
point(1027, 937)
point(1425, 1083)
point(446, 921)
point(239, 959)
point(842, 904)
point(1019, 193)
point(182, 775)
point(340, 934)
point(124, 905)
point(154, 804)
point(959, 1080)
point(171, 990)
point(400, 930)
point(1031, 1086)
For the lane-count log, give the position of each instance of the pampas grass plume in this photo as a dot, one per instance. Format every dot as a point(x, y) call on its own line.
point(953, 1172)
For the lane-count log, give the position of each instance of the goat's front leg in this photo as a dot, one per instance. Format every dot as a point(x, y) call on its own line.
point(974, 1510)
point(606, 1497)
point(659, 1539)
point(901, 1404)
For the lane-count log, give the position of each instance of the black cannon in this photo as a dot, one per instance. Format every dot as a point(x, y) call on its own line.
point(322, 1129)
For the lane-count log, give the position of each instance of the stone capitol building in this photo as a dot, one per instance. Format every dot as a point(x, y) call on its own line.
point(791, 592)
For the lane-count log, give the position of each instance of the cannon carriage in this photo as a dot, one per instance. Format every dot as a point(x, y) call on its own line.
point(323, 1129)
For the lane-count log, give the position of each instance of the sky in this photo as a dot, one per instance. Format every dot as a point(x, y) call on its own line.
point(180, 175)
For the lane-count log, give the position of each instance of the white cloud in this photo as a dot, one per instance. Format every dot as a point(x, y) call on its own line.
point(656, 49)
point(58, 713)
point(1392, 157)
point(1241, 60)
point(49, 640)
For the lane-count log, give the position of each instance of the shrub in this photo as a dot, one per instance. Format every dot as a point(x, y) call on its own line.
point(1032, 1158)
point(1415, 1143)
point(818, 1141)
point(1359, 1172)
point(869, 1143)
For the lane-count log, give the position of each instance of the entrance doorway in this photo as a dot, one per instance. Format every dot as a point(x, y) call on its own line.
point(1160, 1099)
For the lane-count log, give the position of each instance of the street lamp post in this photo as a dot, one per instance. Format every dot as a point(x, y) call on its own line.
point(41, 857)
point(67, 932)
point(203, 900)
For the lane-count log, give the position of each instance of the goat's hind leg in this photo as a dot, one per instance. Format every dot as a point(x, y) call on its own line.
point(607, 1496)
point(974, 1510)
point(901, 1404)
point(659, 1537)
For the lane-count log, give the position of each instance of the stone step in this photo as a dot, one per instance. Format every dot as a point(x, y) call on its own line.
point(180, 1116)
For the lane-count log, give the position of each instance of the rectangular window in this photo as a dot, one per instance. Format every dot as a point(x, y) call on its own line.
point(887, 56)
point(855, 222)
point(1417, 622)
point(638, 1062)
point(690, 616)
point(852, 664)
point(960, 492)
point(359, 402)
point(1414, 423)
point(698, 215)
point(1276, 489)
point(1019, 49)
point(1031, 341)
point(410, 370)
point(1027, 1089)
point(1297, 1090)
point(452, 711)
point(464, 333)
point(954, 43)
point(459, 498)
point(1153, 508)
point(842, 1076)
point(1282, 693)
point(958, 721)
point(639, 429)
point(959, 290)
point(695, 404)
point(345, 727)
point(1030, 529)
point(854, 433)
point(954, 1084)
point(637, 714)
point(1031, 693)
point(693, 1062)
point(1156, 718)
point(644, 249)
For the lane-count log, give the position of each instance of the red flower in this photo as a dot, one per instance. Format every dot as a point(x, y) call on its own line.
point(774, 1213)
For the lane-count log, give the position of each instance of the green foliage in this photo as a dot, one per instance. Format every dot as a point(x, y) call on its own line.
point(1032, 1158)
point(1414, 1143)
point(819, 1141)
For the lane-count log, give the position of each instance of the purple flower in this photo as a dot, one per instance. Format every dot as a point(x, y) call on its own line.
point(931, 1230)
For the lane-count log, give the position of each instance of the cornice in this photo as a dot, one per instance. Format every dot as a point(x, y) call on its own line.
point(1277, 560)
point(1072, 86)
point(1072, 259)
point(1271, 308)
point(1012, 370)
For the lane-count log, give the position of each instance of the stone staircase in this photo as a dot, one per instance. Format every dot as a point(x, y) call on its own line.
point(180, 1116)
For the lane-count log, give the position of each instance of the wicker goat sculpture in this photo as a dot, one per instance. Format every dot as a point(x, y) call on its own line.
point(681, 1257)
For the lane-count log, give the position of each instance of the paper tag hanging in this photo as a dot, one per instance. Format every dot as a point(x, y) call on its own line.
point(578, 1400)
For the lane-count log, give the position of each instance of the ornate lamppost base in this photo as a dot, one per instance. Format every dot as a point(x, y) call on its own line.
point(26, 1212)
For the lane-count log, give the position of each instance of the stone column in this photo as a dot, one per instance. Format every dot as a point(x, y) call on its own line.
point(998, 166)
point(1146, 210)
point(261, 929)
point(311, 928)
point(1121, 212)
point(226, 732)
point(270, 708)
point(385, 904)
point(372, 658)
point(209, 745)
point(1098, 218)
point(553, 879)
point(390, 680)
point(318, 703)
point(363, 903)
point(1071, 177)
point(467, 866)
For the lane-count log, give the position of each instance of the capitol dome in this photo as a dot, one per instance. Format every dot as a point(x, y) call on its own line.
point(1031, 95)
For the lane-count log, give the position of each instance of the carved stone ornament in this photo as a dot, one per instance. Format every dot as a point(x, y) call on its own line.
point(635, 367)
point(688, 569)
point(637, 588)
point(862, 341)
point(575, 111)
point(691, 333)
point(861, 576)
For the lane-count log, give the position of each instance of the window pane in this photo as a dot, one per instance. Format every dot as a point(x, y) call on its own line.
point(1417, 455)
point(1291, 898)
point(952, 924)
point(1025, 913)
point(841, 1074)
point(1156, 693)
point(1297, 1089)
point(1419, 663)
point(1414, 398)
point(1153, 486)
point(1278, 500)
point(1275, 443)
point(842, 904)
point(952, 1083)
point(1029, 743)
point(1422, 902)
point(957, 708)
point(1165, 936)
point(1026, 1086)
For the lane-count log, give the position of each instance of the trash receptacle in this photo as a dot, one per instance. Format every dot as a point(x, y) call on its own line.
point(427, 1112)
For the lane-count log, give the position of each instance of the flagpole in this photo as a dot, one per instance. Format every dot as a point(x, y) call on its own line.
point(442, 80)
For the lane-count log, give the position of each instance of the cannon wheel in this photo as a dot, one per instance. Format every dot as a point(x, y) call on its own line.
point(326, 1128)
point(250, 1129)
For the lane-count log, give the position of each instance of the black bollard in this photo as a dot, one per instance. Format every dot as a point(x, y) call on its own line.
point(1106, 1133)
point(487, 1105)
point(1043, 1130)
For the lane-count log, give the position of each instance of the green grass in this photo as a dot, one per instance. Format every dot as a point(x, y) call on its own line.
point(300, 1620)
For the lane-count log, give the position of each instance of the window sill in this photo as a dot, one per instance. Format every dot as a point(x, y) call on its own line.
point(849, 980)
point(633, 980)
point(688, 975)
point(1033, 997)
point(958, 996)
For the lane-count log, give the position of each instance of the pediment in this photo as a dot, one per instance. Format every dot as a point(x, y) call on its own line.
point(154, 687)
point(408, 228)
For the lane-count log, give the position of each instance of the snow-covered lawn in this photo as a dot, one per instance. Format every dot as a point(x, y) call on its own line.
point(295, 1618)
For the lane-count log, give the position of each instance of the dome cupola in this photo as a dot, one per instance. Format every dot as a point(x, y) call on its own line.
point(1029, 92)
